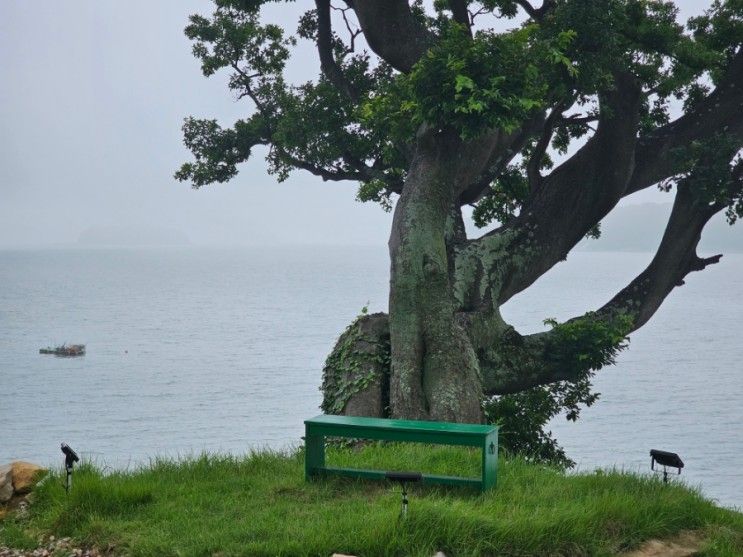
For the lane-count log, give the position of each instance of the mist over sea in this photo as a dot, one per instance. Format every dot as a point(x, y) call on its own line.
point(193, 349)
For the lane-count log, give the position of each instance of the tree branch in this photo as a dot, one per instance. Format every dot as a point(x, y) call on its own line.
point(392, 32)
point(528, 8)
point(374, 172)
point(535, 163)
point(534, 13)
point(571, 200)
point(352, 33)
point(510, 146)
point(527, 361)
point(516, 363)
point(461, 14)
point(584, 189)
point(329, 66)
point(577, 119)
point(720, 112)
point(336, 175)
point(675, 259)
point(248, 89)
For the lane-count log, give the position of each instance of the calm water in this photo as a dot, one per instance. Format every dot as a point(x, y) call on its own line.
point(222, 350)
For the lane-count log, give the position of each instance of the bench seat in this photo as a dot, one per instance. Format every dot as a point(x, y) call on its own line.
point(317, 429)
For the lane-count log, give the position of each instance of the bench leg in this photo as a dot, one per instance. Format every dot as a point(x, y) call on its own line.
point(490, 461)
point(314, 453)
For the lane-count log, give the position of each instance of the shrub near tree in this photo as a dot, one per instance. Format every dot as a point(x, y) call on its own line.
point(429, 109)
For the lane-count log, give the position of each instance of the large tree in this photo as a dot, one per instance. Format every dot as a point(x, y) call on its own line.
point(543, 129)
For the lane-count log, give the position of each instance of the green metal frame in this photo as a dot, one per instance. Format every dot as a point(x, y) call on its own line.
point(438, 433)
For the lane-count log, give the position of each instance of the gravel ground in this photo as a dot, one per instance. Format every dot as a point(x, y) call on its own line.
point(62, 547)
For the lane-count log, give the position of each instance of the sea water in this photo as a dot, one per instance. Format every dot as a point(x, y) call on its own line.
point(221, 350)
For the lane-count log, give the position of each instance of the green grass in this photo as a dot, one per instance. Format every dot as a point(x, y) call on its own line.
point(261, 505)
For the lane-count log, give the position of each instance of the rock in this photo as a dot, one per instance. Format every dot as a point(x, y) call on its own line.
point(25, 475)
point(372, 347)
point(6, 483)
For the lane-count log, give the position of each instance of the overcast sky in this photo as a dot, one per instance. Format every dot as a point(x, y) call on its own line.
point(92, 97)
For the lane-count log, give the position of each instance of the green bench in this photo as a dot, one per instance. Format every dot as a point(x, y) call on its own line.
point(439, 433)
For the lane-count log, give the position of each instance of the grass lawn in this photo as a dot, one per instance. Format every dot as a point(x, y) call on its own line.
point(260, 505)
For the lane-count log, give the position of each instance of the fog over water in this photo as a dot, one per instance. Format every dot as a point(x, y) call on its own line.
point(92, 98)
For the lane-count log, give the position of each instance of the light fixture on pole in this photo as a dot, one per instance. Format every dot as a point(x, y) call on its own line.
point(70, 458)
point(666, 460)
point(404, 478)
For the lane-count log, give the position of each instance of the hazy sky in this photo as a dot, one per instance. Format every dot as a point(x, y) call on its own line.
point(92, 97)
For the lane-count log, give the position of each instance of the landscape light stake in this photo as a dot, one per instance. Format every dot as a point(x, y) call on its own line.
point(70, 458)
point(403, 478)
point(666, 460)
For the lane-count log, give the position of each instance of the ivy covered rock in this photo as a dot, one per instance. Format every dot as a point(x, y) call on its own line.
point(356, 374)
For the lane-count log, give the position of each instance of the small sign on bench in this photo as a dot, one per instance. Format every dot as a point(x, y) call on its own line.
point(438, 433)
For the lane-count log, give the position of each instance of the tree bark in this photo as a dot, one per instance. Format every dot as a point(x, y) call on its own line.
point(434, 371)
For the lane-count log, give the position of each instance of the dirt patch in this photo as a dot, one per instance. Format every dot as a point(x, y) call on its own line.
point(686, 544)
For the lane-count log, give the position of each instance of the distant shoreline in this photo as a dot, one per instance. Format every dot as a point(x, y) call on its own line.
point(581, 249)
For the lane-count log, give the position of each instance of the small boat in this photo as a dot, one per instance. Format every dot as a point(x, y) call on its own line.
point(65, 350)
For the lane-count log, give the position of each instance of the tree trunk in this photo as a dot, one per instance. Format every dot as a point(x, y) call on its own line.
point(434, 371)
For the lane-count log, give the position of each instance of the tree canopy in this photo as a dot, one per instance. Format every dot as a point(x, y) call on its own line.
point(542, 128)
point(355, 120)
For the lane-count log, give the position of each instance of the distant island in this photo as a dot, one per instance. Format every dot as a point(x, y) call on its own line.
point(122, 236)
point(640, 228)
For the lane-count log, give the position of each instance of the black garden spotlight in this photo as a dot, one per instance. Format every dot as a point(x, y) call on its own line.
point(70, 458)
point(666, 460)
point(404, 478)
